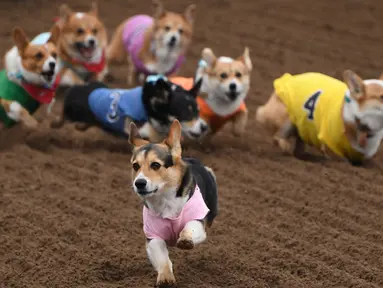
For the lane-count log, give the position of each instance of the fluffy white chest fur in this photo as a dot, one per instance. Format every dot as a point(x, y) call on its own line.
point(166, 60)
point(166, 204)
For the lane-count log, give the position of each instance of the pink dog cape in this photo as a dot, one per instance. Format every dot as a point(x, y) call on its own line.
point(168, 229)
point(133, 38)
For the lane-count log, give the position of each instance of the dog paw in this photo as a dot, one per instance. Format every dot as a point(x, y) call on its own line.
point(185, 244)
point(166, 284)
point(166, 280)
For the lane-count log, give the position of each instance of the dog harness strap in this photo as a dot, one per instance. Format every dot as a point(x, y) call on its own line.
point(168, 229)
point(13, 92)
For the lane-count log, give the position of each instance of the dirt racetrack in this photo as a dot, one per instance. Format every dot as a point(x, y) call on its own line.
point(69, 218)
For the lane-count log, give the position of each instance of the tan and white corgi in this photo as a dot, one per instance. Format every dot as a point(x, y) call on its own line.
point(179, 194)
point(82, 46)
point(152, 44)
point(225, 85)
point(30, 78)
point(345, 119)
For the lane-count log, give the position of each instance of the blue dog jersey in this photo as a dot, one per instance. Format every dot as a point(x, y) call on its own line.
point(112, 106)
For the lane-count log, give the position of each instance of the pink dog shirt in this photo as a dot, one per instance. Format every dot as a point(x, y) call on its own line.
point(169, 229)
point(133, 37)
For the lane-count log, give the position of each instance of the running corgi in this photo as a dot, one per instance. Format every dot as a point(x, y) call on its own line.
point(321, 111)
point(152, 44)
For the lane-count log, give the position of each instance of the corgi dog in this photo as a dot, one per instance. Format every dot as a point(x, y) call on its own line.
point(343, 119)
point(152, 44)
point(225, 85)
point(82, 46)
point(30, 78)
point(179, 195)
point(154, 105)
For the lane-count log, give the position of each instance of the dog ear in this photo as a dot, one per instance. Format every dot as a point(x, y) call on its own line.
point(20, 39)
point(65, 12)
point(94, 9)
point(245, 58)
point(174, 140)
point(189, 13)
point(209, 57)
point(55, 34)
point(134, 137)
point(196, 88)
point(159, 10)
point(355, 84)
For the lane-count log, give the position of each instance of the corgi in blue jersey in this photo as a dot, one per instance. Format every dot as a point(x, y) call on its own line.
point(153, 107)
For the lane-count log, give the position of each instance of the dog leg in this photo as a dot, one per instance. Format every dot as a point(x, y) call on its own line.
point(131, 78)
point(281, 137)
point(19, 114)
point(193, 233)
point(70, 78)
point(239, 123)
point(159, 257)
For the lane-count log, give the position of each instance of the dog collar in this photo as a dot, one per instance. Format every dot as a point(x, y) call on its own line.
point(91, 67)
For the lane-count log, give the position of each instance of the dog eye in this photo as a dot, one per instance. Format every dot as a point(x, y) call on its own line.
point(381, 97)
point(80, 31)
point(54, 55)
point(155, 165)
point(95, 31)
point(167, 28)
point(181, 31)
point(238, 75)
point(223, 75)
point(136, 166)
point(39, 56)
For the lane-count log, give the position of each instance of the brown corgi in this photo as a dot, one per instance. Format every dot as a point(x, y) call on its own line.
point(30, 78)
point(179, 195)
point(225, 85)
point(152, 45)
point(82, 46)
point(345, 119)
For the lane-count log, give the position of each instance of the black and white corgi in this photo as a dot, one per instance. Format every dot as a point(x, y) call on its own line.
point(154, 106)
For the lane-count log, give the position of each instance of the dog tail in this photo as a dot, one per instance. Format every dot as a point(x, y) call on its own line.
point(116, 51)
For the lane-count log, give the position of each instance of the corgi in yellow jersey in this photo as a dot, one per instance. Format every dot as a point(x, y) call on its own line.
point(345, 118)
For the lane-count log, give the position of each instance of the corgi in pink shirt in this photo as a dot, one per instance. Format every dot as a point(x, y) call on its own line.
point(152, 44)
point(179, 195)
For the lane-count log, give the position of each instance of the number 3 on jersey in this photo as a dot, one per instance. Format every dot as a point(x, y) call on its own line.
point(310, 104)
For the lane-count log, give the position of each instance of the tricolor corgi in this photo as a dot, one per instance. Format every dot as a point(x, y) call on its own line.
point(345, 119)
point(30, 78)
point(152, 44)
point(82, 46)
point(179, 195)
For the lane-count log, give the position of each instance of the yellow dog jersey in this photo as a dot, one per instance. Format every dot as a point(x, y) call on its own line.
point(314, 102)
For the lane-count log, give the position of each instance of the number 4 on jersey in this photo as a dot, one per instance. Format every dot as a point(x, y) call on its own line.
point(310, 104)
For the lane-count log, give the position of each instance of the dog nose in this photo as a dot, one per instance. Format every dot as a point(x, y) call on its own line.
point(233, 87)
point(91, 42)
point(140, 183)
point(172, 40)
point(52, 65)
point(203, 127)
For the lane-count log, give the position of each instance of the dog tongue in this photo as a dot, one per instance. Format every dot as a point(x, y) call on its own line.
point(87, 52)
